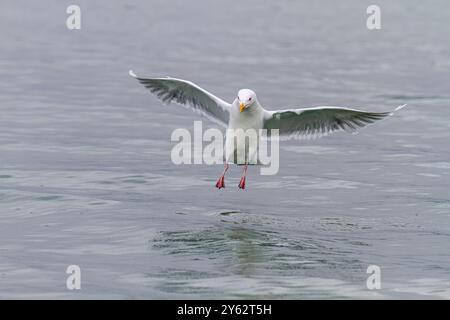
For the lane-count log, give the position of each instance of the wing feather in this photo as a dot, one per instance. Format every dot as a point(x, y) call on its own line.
point(188, 94)
point(319, 121)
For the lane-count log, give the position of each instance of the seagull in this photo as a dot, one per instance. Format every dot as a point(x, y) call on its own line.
point(245, 112)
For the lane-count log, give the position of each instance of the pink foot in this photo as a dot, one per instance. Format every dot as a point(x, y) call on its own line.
point(221, 182)
point(242, 183)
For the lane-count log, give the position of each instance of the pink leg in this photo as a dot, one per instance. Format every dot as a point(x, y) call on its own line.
point(242, 182)
point(221, 182)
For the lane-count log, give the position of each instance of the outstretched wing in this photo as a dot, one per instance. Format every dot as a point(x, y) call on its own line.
point(188, 94)
point(319, 121)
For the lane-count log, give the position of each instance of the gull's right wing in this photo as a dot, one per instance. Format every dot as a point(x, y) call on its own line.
point(188, 94)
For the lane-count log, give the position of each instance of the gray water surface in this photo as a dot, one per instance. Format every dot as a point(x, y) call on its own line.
point(86, 176)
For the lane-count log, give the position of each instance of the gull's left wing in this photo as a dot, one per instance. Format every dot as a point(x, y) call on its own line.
point(188, 94)
point(319, 121)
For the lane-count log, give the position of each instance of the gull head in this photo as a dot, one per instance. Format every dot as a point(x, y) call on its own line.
point(245, 99)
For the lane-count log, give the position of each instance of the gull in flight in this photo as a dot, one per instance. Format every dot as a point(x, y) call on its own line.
point(245, 112)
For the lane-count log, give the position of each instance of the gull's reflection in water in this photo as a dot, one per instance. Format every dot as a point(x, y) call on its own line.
point(246, 249)
point(235, 248)
point(244, 255)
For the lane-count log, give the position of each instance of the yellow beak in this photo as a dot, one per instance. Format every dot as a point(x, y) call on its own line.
point(241, 107)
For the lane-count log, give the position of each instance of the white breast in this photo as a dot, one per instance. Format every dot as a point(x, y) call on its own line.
point(238, 150)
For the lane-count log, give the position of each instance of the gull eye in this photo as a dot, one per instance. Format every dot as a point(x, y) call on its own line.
point(249, 98)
